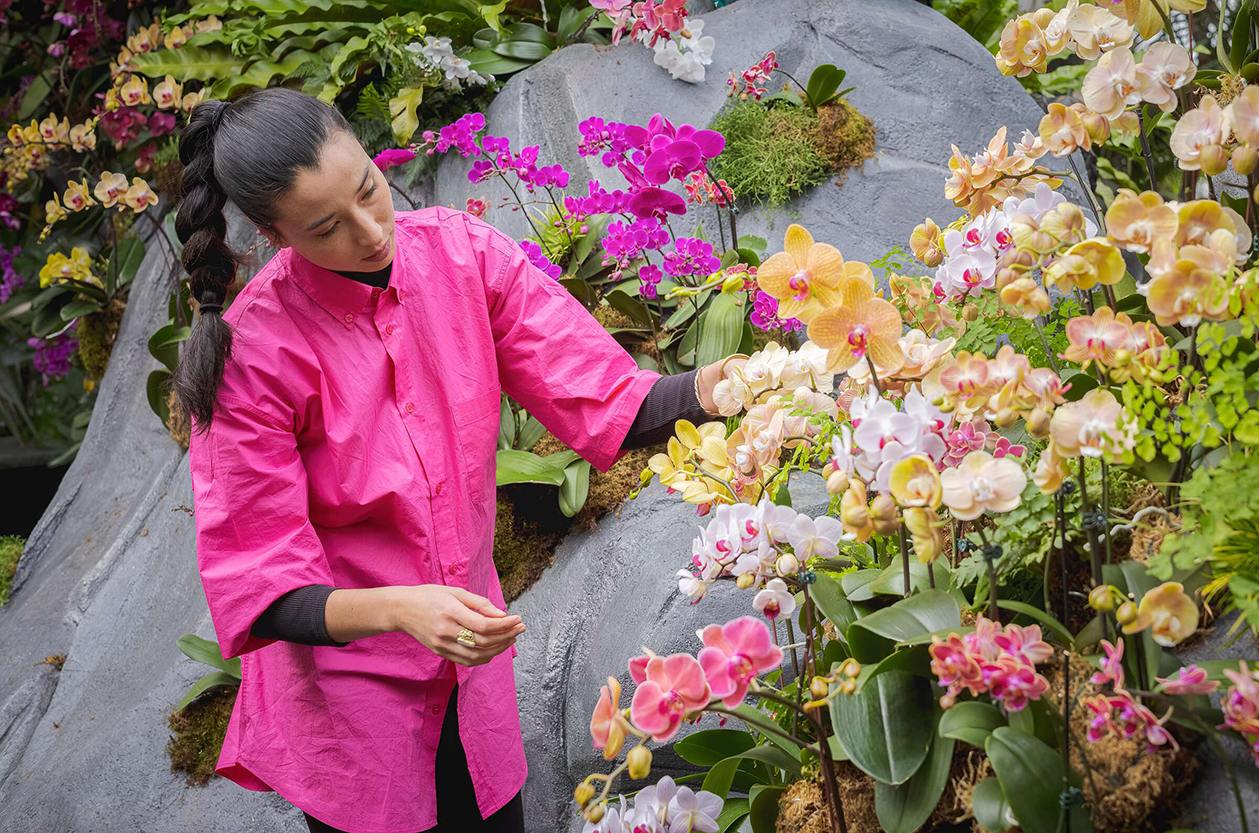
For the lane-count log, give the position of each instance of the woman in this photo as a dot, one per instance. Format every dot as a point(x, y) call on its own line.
point(345, 413)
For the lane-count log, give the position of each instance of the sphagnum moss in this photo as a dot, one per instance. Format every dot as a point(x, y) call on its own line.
point(199, 730)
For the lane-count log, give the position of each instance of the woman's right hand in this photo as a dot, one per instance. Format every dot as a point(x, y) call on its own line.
point(434, 614)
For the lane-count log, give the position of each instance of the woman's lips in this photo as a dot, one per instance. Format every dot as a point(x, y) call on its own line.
point(381, 254)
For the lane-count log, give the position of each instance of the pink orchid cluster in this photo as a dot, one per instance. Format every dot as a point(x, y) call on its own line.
point(674, 688)
point(89, 26)
point(1005, 387)
point(990, 660)
point(1241, 706)
point(749, 83)
point(654, 19)
point(762, 542)
point(1122, 715)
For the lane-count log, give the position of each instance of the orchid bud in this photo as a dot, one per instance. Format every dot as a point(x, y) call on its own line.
point(1101, 599)
point(883, 515)
point(639, 760)
point(947, 701)
point(583, 794)
point(1043, 242)
point(1038, 423)
point(852, 509)
point(1126, 614)
point(645, 477)
point(1213, 159)
point(745, 581)
point(1122, 357)
point(837, 483)
point(1005, 417)
point(732, 284)
point(849, 688)
point(1096, 125)
point(819, 687)
point(787, 564)
point(595, 814)
point(970, 313)
point(850, 668)
point(1005, 277)
point(1244, 159)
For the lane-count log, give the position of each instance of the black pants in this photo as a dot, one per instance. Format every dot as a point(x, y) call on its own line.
point(457, 810)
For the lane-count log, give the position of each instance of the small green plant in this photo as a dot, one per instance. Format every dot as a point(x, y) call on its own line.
point(203, 650)
point(518, 432)
point(10, 551)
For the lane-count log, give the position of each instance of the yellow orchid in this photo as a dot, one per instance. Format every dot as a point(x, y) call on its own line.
point(54, 211)
point(861, 326)
point(167, 94)
point(1145, 17)
point(59, 268)
point(915, 482)
point(805, 278)
point(111, 188)
point(672, 468)
point(1168, 612)
point(1063, 132)
point(927, 529)
point(139, 196)
point(925, 241)
point(1024, 48)
point(1134, 221)
point(854, 511)
point(1085, 265)
point(83, 136)
point(178, 36)
point(78, 196)
point(135, 92)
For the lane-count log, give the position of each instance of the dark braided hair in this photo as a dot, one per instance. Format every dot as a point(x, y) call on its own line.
point(249, 151)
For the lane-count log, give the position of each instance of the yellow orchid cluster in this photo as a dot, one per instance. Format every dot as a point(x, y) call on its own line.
point(1005, 389)
point(769, 371)
point(133, 91)
point(60, 268)
point(696, 464)
point(112, 191)
point(989, 178)
point(30, 148)
point(151, 38)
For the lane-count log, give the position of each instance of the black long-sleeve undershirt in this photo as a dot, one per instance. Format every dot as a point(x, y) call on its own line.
point(299, 615)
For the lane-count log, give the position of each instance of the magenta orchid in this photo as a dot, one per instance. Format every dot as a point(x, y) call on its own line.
point(1188, 680)
point(734, 654)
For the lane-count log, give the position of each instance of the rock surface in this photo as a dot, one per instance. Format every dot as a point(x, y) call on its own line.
point(109, 575)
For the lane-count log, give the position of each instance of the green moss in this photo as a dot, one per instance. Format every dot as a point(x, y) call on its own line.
point(199, 731)
point(845, 135)
point(771, 154)
point(96, 334)
point(10, 551)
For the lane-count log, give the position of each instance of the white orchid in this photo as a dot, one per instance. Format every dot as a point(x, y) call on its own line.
point(775, 600)
point(809, 537)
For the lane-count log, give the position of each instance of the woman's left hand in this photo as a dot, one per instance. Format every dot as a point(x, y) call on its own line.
point(711, 374)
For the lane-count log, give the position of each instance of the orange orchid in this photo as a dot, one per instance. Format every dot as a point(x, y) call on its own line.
point(1096, 337)
point(805, 278)
point(1134, 221)
point(1169, 612)
point(862, 325)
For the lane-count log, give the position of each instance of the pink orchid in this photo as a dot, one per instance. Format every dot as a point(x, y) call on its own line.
point(952, 663)
point(1189, 680)
point(391, 157)
point(1024, 643)
point(1004, 447)
point(1014, 684)
point(734, 653)
point(606, 724)
point(1111, 666)
point(674, 686)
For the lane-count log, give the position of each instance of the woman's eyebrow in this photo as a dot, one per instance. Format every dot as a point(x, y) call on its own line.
point(362, 182)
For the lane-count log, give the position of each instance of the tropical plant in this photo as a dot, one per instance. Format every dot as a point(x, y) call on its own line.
point(226, 673)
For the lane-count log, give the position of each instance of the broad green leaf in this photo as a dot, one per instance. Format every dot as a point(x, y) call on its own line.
point(756, 244)
point(828, 595)
point(258, 73)
point(623, 302)
point(735, 810)
point(764, 808)
point(530, 432)
point(720, 777)
point(886, 729)
point(873, 637)
point(209, 681)
point(905, 808)
point(971, 721)
point(580, 289)
point(1030, 774)
point(521, 50)
point(164, 344)
point(130, 254)
point(526, 467)
point(506, 424)
point(857, 584)
point(488, 62)
point(200, 63)
point(892, 580)
point(915, 660)
point(721, 330)
point(348, 50)
point(575, 488)
point(749, 714)
point(571, 20)
point(707, 747)
point(156, 390)
point(203, 650)
point(990, 808)
point(1041, 617)
point(402, 107)
point(646, 362)
point(79, 307)
point(823, 83)
point(1081, 383)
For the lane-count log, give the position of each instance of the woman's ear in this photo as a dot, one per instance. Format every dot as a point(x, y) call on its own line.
point(273, 237)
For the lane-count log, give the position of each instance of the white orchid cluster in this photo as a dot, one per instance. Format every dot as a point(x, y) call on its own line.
point(773, 370)
point(758, 545)
point(663, 807)
point(437, 55)
point(973, 253)
point(684, 57)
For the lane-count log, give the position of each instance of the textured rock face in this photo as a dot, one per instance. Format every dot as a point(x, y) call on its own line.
point(109, 577)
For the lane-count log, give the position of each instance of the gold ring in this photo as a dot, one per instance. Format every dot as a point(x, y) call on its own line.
point(466, 637)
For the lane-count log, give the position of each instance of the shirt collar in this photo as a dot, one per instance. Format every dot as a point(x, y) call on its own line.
point(344, 298)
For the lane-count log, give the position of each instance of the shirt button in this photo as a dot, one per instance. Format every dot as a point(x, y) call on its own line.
point(454, 569)
point(389, 330)
point(436, 709)
point(375, 291)
point(410, 408)
point(438, 488)
point(349, 317)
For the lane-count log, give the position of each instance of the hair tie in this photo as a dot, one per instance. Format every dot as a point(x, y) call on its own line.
point(211, 307)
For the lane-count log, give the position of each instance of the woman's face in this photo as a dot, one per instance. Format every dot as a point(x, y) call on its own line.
point(340, 216)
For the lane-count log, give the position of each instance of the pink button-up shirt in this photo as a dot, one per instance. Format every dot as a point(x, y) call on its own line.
point(354, 445)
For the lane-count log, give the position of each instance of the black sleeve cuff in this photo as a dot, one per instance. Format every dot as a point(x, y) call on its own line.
point(671, 398)
point(298, 616)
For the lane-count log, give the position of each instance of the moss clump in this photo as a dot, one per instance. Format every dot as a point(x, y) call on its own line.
point(96, 334)
point(10, 551)
point(845, 135)
point(529, 525)
point(199, 731)
point(771, 154)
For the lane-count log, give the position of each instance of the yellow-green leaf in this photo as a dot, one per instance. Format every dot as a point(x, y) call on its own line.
point(402, 107)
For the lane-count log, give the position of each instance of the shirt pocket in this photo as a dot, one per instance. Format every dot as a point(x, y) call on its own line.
point(476, 426)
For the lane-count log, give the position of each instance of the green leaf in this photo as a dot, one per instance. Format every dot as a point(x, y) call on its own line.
point(1239, 37)
point(1081, 383)
point(571, 20)
point(857, 584)
point(622, 302)
point(782, 495)
point(521, 50)
point(129, 254)
point(506, 424)
point(156, 391)
point(971, 721)
point(873, 637)
point(990, 808)
point(164, 344)
point(735, 810)
point(203, 650)
point(526, 467)
point(1030, 774)
point(349, 49)
point(530, 432)
point(403, 109)
point(756, 244)
point(829, 596)
point(79, 307)
point(575, 488)
point(886, 729)
point(721, 330)
point(720, 777)
point(892, 580)
point(905, 808)
point(764, 808)
point(209, 681)
point(823, 83)
point(1041, 617)
point(488, 62)
point(188, 63)
point(710, 746)
point(748, 714)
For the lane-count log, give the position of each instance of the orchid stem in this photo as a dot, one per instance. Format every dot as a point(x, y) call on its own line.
point(905, 560)
point(795, 663)
point(874, 376)
point(1044, 342)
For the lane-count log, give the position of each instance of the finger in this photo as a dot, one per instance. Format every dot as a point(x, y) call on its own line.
point(477, 603)
point(498, 642)
point(480, 625)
